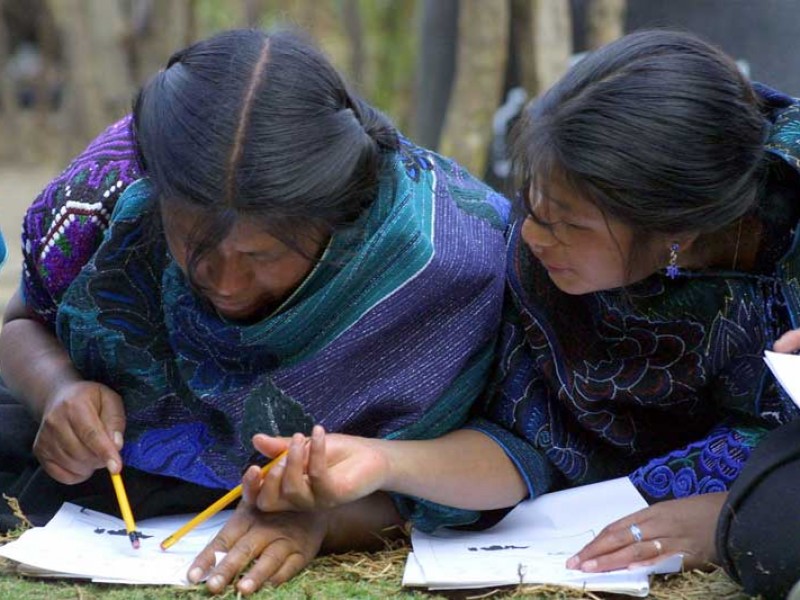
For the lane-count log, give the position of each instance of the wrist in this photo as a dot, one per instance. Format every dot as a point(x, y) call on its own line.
point(392, 459)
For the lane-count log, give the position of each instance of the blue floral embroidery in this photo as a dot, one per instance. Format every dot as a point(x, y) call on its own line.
point(415, 159)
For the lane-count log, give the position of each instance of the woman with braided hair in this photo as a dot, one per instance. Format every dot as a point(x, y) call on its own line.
point(254, 249)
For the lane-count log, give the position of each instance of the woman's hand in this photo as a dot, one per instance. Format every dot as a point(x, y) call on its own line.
point(685, 526)
point(464, 469)
point(330, 470)
point(279, 545)
point(81, 431)
point(789, 342)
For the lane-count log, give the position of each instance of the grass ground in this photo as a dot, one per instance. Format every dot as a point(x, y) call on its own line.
point(359, 575)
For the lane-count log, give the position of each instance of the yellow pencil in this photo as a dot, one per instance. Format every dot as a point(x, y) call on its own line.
point(125, 509)
point(216, 506)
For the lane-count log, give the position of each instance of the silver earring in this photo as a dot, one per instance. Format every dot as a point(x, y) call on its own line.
point(672, 267)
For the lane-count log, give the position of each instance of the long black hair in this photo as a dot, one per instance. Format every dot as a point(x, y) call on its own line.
point(658, 129)
point(261, 125)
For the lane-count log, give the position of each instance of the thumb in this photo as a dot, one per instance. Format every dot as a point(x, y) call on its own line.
point(270, 446)
point(788, 342)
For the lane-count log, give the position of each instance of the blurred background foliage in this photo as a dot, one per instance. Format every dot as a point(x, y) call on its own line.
point(438, 68)
point(452, 74)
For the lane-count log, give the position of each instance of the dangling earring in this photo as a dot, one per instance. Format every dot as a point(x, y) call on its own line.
point(672, 266)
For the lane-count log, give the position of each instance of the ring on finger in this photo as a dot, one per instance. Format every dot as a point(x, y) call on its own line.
point(658, 546)
point(636, 532)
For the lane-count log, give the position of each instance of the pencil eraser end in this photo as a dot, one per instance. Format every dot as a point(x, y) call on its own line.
point(133, 536)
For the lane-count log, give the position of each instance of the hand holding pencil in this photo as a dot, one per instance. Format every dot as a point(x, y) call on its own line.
point(81, 430)
point(323, 471)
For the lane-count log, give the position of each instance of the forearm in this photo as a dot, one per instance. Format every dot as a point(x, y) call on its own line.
point(33, 363)
point(463, 469)
point(363, 524)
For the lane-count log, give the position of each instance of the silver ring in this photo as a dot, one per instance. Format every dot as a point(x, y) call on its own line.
point(636, 532)
point(657, 544)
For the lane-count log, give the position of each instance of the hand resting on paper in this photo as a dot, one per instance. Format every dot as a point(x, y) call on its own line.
point(273, 547)
point(685, 526)
point(80, 431)
point(278, 545)
point(327, 471)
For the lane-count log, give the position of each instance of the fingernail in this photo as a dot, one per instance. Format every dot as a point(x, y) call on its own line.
point(317, 431)
point(112, 465)
point(247, 586)
point(573, 562)
point(589, 566)
point(118, 440)
point(216, 582)
point(195, 575)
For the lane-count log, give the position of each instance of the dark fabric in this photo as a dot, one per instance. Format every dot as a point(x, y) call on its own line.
point(758, 535)
point(17, 433)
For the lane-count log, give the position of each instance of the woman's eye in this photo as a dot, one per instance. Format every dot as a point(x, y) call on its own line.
point(265, 257)
point(569, 225)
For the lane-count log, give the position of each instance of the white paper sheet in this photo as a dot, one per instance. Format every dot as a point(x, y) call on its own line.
point(786, 368)
point(85, 544)
point(532, 543)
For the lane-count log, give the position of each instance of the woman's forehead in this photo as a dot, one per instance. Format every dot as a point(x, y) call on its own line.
point(565, 198)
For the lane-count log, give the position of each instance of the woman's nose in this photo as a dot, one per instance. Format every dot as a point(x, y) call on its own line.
point(224, 276)
point(537, 235)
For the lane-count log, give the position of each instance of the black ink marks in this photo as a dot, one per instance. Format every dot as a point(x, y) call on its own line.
point(139, 535)
point(522, 570)
point(495, 548)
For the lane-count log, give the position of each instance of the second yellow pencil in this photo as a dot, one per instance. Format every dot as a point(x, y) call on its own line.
point(215, 507)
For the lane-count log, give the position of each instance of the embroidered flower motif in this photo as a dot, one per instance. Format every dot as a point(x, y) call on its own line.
point(415, 159)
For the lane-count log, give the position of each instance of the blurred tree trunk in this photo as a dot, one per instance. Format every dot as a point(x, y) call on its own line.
point(9, 110)
point(605, 22)
point(551, 32)
point(522, 36)
point(156, 30)
point(435, 67)
point(480, 67)
point(354, 30)
point(98, 84)
point(391, 47)
point(306, 14)
point(253, 12)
